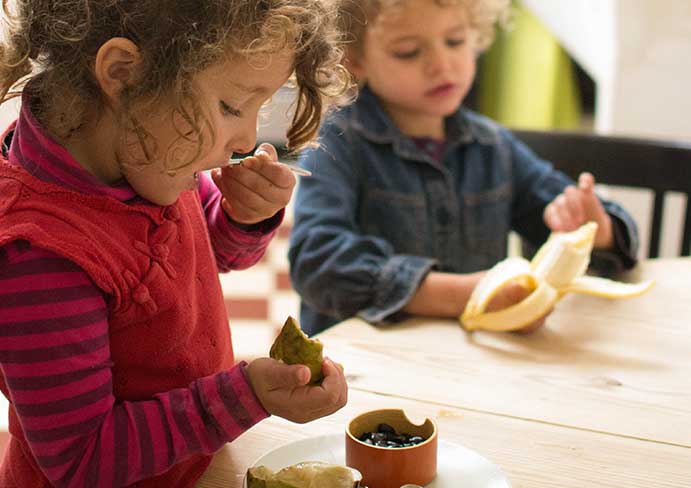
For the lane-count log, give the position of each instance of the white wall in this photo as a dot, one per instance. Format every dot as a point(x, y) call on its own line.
point(639, 54)
point(651, 85)
point(584, 28)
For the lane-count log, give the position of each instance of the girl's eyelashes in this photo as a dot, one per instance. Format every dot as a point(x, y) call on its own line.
point(228, 110)
point(407, 54)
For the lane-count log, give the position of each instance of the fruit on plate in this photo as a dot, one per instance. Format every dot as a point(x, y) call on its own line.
point(312, 474)
point(292, 346)
point(558, 268)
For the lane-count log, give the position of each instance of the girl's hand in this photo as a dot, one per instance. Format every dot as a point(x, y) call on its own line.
point(509, 295)
point(282, 389)
point(256, 189)
point(577, 206)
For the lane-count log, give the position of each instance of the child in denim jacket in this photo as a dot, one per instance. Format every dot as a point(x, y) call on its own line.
point(413, 195)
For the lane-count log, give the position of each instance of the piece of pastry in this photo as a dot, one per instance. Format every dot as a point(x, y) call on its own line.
point(292, 346)
point(312, 474)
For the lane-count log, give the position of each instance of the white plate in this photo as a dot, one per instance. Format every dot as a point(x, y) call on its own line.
point(455, 464)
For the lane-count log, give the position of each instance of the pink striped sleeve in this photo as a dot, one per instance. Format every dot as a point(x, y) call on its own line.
point(55, 357)
point(234, 248)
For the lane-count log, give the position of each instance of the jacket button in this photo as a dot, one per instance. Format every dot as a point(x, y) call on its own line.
point(160, 251)
point(443, 217)
point(172, 213)
point(141, 295)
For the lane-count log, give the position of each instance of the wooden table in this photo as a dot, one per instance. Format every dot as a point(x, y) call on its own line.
point(600, 397)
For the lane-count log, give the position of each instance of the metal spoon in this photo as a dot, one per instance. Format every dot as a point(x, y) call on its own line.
point(295, 169)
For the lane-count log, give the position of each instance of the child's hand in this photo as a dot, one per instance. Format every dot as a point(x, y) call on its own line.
point(256, 189)
point(282, 389)
point(509, 295)
point(577, 206)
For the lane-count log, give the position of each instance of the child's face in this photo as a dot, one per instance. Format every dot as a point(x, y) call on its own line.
point(419, 59)
point(232, 94)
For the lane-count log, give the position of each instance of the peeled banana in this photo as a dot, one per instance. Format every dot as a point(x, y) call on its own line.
point(558, 268)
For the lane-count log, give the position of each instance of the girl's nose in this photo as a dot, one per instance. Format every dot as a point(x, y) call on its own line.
point(243, 137)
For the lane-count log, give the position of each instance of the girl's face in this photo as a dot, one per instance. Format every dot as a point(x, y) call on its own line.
point(231, 93)
point(419, 59)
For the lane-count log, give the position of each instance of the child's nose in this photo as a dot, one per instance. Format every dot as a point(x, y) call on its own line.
point(438, 61)
point(243, 138)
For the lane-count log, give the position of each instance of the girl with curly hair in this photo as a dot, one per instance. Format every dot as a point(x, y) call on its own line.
point(115, 349)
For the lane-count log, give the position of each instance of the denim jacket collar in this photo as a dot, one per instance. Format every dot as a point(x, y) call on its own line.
point(369, 118)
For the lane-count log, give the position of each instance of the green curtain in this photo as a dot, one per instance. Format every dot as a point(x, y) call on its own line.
point(526, 80)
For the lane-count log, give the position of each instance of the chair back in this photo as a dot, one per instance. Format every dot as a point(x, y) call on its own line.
point(660, 166)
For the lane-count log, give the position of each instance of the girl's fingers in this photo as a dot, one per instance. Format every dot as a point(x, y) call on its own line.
point(267, 150)
point(273, 181)
point(283, 376)
point(334, 382)
point(256, 189)
point(266, 164)
point(239, 183)
point(236, 195)
point(331, 368)
point(240, 212)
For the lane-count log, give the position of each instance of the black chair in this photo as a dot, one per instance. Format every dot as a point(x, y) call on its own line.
point(660, 166)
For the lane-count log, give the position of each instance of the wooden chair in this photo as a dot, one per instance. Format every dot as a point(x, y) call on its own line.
point(660, 166)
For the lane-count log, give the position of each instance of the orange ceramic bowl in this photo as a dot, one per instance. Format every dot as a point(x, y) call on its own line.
point(385, 467)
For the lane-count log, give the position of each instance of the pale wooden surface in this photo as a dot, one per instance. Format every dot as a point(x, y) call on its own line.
point(601, 397)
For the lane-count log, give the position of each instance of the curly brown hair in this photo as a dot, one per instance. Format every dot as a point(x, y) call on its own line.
point(355, 15)
point(53, 43)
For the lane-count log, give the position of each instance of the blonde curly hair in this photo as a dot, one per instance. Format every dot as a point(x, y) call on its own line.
point(484, 15)
point(54, 44)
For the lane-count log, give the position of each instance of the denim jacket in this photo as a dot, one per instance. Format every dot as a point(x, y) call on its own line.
point(378, 213)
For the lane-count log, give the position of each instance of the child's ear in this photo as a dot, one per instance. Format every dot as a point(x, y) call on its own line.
point(353, 64)
point(117, 65)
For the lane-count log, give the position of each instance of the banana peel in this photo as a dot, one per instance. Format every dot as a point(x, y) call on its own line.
point(558, 268)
